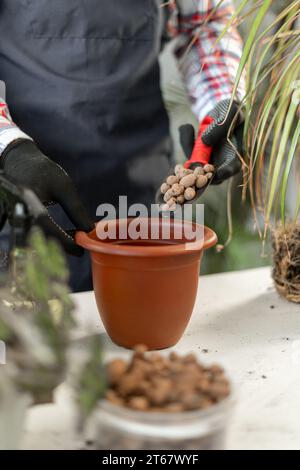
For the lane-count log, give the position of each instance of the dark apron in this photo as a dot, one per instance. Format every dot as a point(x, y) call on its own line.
point(82, 79)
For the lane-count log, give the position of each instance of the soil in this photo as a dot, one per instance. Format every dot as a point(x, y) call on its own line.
point(286, 258)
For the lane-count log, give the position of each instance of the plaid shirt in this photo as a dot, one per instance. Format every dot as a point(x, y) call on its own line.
point(208, 71)
point(8, 130)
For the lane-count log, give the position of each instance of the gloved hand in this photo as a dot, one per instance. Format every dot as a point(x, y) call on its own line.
point(223, 156)
point(29, 167)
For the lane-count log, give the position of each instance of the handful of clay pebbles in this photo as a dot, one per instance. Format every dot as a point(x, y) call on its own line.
point(183, 184)
point(153, 382)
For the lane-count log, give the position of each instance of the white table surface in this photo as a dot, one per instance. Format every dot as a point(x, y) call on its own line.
point(238, 321)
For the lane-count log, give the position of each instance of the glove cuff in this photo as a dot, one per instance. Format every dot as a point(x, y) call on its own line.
point(12, 146)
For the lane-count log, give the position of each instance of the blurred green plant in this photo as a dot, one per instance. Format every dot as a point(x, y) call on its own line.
point(36, 318)
point(91, 383)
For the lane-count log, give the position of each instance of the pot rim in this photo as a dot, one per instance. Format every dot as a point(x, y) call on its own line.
point(88, 241)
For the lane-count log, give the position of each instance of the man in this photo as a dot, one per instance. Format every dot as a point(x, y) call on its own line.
point(83, 97)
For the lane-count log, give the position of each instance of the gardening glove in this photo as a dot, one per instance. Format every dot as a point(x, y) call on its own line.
point(212, 146)
point(30, 168)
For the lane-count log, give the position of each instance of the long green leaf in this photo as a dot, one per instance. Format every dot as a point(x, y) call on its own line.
point(288, 166)
point(250, 41)
point(250, 97)
point(297, 211)
point(252, 76)
point(273, 98)
point(281, 153)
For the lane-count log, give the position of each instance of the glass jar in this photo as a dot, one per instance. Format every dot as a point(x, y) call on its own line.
point(116, 427)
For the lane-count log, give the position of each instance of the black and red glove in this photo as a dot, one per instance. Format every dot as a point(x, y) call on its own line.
point(211, 144)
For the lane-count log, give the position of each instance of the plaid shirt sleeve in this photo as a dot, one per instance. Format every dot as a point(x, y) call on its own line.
point(9, 132)
point(208, 70)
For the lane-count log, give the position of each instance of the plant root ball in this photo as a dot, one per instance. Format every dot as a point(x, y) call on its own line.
point(286, 260)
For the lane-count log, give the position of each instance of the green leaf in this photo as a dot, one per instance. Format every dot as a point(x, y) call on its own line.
point(248, 48)
point(279, 160)
point(288, 166)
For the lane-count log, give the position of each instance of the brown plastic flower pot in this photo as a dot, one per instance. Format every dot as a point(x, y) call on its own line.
point(146, 289)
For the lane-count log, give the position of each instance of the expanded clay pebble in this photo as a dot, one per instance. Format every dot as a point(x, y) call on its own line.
point(153, 382)
point(189, 194)
point(168, 195)
point(139, 350)
point(173, 180)
point(165, 207)
point(178, 169)
point(199, 170)
point(174, 190)
point(180, 199)
point(172, 203)
point(185, 172)
point(164, 188)
point(201, 181)
point(177, 189)
point(138, 403)
point(188, 181)
point(208, 168)
point(116, 369)
point(114, 398)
